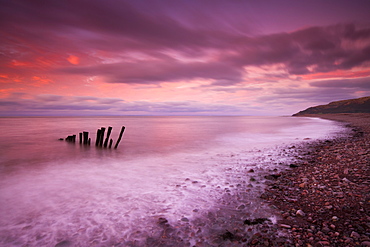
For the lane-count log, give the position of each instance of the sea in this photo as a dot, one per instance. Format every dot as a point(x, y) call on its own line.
point(172, 180)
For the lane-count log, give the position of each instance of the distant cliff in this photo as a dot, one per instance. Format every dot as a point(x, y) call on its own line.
point(360, 105)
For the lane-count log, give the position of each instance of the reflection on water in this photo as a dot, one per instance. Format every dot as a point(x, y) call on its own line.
point(174, 169)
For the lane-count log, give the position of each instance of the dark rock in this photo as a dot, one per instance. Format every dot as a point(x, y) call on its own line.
point(273, 176)
point(228, 236)
point(64, 243)
point(162, 221)
point(255, 221)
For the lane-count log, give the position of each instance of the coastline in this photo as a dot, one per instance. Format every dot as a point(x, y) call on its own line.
point(325, 199)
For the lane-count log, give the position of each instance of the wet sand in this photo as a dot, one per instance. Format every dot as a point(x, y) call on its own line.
point(324, 200)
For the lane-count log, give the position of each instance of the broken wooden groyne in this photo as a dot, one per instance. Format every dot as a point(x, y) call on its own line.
point(100, 142)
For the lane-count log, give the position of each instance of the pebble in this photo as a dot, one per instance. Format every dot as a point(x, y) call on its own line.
point(64, 243)
point(324, 243)
point(328, 181)
point(355, 235)
point(285, 226)
point(300, 213)
point(365, 243)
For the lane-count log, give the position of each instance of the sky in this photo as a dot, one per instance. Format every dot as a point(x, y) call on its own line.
point(181, 57)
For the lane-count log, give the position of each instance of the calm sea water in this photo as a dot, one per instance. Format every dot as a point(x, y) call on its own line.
point(177, 169)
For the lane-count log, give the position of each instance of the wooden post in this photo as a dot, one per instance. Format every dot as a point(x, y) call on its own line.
point(101, 136)
point(110, 143)
point(86, 137)
point(108, 134)
point(97, 137)
point(120, 137)
point(80, 137)
point(71, 138)
point(89, 142)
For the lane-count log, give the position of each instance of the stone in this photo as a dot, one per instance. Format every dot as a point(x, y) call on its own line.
point(285, 226)
point(64, 243)
point(273, 176)
point(300, 213)
point(339, 194)
point(302, 185)
point(346, 180)
point(355, 235)
point(325, 229)
point(365, 243)
point(324, 243)
point(255, 221)
point(162, 221)
point(227, 236)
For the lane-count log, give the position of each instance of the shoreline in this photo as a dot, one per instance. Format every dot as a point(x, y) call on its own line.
point(268, 220)
point(325, 199)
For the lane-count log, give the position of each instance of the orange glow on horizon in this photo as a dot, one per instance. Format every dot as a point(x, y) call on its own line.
point(337, 74)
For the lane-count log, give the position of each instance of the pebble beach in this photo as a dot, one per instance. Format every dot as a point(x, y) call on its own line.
point(324, 199)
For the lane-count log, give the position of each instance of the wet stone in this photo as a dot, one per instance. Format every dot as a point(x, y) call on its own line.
point(300, 213)
point(162, 221)
point(64, 243)
point(255, 221)
point(285, 226)
point(365, 243)
point(355, 235)
point(227, 236)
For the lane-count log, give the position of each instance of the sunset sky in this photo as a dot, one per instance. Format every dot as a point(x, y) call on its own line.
point(181, 57)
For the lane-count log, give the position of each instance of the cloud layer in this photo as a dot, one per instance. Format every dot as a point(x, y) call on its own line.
point(75, 48)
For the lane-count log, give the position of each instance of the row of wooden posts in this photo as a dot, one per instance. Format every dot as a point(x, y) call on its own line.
point(100, 142)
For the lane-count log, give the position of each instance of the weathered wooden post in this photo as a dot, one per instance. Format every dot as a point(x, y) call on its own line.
point(71, 138)
point(120, 137)
point(80, 137)
point(108, 134)
point(101, 140)
point(86, 137)
point(97, 137)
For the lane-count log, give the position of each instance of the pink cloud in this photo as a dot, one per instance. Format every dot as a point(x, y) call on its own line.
point(73, 59)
